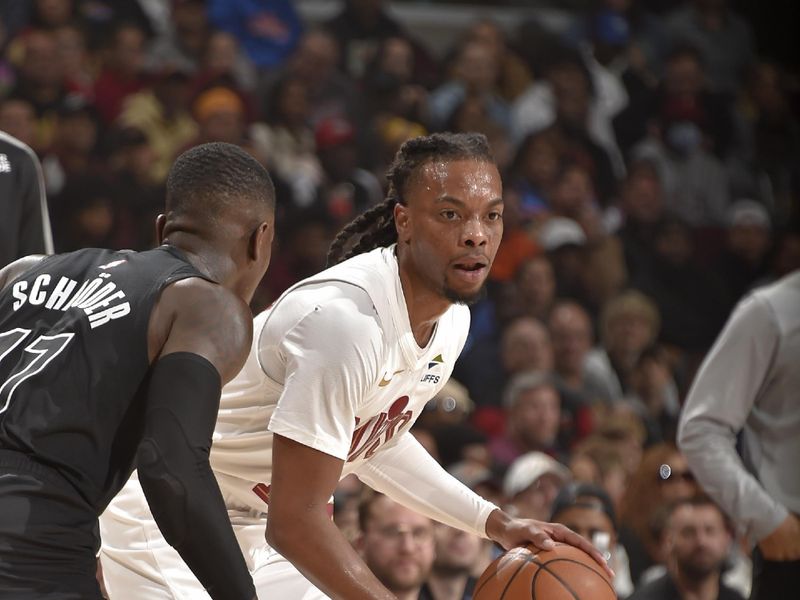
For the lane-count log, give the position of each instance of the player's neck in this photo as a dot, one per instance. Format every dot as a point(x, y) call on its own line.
point(424, 305)
point(205, 257)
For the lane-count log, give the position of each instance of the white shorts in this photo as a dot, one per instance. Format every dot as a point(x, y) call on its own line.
point(138, 564)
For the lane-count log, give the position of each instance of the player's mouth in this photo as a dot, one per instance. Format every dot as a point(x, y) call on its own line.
point(472, 270)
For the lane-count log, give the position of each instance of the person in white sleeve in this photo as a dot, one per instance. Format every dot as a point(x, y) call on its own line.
point(341, 366)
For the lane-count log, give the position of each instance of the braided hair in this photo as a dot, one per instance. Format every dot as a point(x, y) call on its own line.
point(375, 227)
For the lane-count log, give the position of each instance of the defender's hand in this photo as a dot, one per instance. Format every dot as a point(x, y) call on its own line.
point(783, 543)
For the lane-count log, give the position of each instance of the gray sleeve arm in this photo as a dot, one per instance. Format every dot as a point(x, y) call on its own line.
point(35, 236)
point(716, 409)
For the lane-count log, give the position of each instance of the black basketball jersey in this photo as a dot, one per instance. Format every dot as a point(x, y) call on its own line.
point(74, 364)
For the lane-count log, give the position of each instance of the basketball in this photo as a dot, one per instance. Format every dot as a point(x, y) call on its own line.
point(527, 573)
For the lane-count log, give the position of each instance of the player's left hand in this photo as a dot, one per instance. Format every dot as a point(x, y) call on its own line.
point(510, 532)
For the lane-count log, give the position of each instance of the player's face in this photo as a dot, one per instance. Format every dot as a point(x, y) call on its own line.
point(451, 225)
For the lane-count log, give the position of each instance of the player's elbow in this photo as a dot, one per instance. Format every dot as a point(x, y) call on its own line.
point(277, 535)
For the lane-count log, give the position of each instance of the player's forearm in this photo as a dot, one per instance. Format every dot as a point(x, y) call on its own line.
point(313, 544)
point(409, 475)
point(177, 479)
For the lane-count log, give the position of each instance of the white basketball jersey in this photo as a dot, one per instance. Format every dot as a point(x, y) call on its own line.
point(334, 366)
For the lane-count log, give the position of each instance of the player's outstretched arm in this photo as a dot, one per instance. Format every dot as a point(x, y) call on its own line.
point(409, 475)
point(206, 332)
point(299, 527)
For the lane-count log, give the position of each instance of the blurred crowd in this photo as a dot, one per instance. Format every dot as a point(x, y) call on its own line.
point(651, 174)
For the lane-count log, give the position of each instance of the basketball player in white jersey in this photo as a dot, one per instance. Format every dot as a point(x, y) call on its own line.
point(340, 368)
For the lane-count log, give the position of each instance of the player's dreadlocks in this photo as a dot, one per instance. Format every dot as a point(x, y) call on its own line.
point(375, 227)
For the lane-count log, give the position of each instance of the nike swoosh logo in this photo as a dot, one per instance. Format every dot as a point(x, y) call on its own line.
point(384, 382)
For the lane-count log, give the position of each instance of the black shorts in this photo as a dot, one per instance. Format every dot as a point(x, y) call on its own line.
point(48, 534)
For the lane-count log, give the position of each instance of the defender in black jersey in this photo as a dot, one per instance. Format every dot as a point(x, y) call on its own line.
point(111, 361)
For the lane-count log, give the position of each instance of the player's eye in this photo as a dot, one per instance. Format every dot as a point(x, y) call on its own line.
point(449, 215)
point(495, 215)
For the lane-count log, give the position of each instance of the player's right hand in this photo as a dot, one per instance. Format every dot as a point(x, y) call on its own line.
point(784, 543)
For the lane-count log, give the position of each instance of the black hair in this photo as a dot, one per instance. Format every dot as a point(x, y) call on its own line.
point(584, 495)
point(208, 180)
point(376, 227)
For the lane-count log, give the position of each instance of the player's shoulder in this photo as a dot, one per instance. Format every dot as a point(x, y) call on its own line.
point(324, 312)
point(14, 149)
point(195, 297)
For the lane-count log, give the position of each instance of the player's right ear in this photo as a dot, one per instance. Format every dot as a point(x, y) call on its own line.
point(402, 220)
point(161, 220)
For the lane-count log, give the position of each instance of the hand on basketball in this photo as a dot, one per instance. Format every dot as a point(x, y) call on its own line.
point(510, 532)
point(783, 543)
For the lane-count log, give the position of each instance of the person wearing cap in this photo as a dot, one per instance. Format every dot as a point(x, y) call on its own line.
point(532, 483)
point(347, 189)
point(564, 243)
point(747, 242)
point(587, 509)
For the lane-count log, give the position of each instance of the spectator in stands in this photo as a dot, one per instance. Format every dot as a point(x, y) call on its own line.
point(654, 394)
point(767, 159)
point(162, 114)
point(533, 416)
point(513, 75)
point(522, 344)
point(536, 286)
point(122, 72)
point(41, 82)
point(571, 332)
point(391, 86)
point(532, 483)
point(535, 169)
point(347, 189)
point(743, 260)
point(587, 509)
point(604, 275)
point(460, 557)
point(75, 139)
point(288, 139)
point(629, 323)
point(224, 60)
point(359, 29)
point(184, 43)
point(315, 62)
point(78, 61)
point(564, 243)
point(568, 98)
point(691, 300)
point(642, 204)
point(473, 75)
point(397, 544)
point(722, 37)
point(662, 477)
point(268, 31)
point(598, 461)
point(697, 541)
point(18, 119)
point(573, 197)
point(137, 196)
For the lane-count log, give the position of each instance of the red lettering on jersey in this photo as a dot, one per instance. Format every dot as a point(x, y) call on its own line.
point(262, 491)
point(382, 428)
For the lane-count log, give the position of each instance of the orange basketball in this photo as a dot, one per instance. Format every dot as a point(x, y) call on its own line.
point(563, 573)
